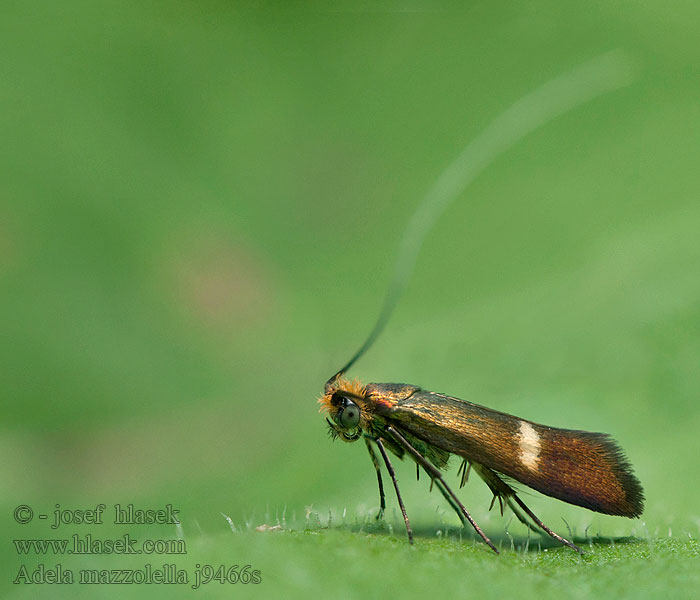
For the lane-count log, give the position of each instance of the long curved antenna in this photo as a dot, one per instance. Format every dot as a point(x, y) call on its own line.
point(598, 76)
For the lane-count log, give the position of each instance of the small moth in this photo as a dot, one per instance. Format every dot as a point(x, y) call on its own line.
point(579, 467)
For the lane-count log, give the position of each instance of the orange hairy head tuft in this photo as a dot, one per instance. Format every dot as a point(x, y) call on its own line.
point(354, 389)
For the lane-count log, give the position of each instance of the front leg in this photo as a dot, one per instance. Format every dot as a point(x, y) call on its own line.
point(392, 474)
point(375, 462)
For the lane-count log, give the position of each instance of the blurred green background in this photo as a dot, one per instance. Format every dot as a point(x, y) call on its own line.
point(200, 206)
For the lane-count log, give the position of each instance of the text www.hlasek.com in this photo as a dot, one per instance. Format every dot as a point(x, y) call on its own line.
point(87, 544)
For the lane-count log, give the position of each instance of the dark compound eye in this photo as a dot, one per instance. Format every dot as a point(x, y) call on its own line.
point(349, 416)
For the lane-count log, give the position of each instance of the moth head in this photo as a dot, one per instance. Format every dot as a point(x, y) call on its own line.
point(342, 401)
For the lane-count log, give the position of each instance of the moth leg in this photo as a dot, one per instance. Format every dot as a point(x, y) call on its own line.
point(445, 493)
point(522, 518)
point(437, 475)
point(500, 502)
point(503, 491)
point(390, 468)
point(446, 496)
point(556, 536)
point(375, 462)
point(464, 469)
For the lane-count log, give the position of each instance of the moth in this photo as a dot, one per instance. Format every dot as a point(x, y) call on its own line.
point(579, 467)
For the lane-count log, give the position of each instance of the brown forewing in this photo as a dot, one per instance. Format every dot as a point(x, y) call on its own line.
point(580, 467)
